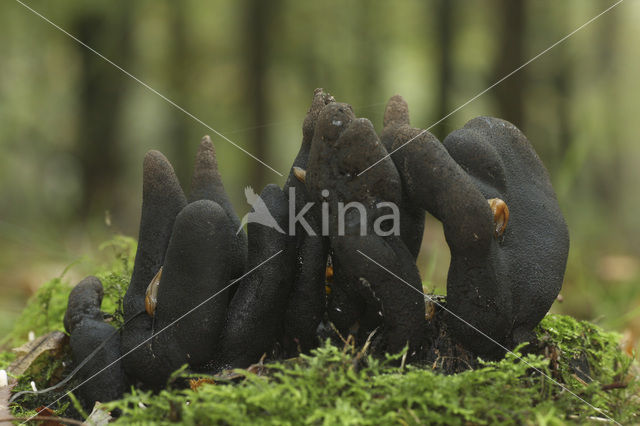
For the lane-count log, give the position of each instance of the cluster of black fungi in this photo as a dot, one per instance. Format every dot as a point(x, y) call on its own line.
point(484, 182)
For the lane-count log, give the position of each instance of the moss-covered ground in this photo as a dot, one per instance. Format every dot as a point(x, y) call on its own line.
point(585, 378)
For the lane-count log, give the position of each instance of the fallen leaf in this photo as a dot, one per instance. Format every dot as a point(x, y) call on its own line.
point(52, 418)
point(99, 416)
point(30, 351)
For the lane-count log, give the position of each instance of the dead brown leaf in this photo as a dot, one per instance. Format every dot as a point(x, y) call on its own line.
point(30, 351)
point(50, 415)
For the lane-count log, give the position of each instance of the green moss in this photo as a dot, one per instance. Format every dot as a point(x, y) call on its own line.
point(328, 387)
point(115, 276)
point(606, 365)
point(334, 385)
point(578, 339)
point(47, 370)
point(45, 312)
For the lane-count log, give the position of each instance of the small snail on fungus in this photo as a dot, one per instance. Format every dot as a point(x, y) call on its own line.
point(500, 215)
point(300, 174)
point(151, 296)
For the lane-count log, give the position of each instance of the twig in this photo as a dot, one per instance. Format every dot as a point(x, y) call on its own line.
point(41, 418)
point(613, 386)
point(575, 376)
point(404, 359)
point(592, 418)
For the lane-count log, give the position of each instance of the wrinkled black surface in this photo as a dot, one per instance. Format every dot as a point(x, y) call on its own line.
point(306, 303)
point(202, 259)
point(162, 200)
point(352, 305)
point(501, 286)
point(206, 184)
point(531, 256)
point(497, 285)
point(255, 318)
point(83, 320)
point(396, 120)
point(199, 250)
point(343, 146)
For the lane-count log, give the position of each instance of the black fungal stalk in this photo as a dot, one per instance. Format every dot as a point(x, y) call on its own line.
point(485, 183)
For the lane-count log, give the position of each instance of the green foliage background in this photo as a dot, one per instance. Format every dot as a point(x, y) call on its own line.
point(73, 129)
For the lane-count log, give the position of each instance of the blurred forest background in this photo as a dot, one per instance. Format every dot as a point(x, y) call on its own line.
point(74, 129)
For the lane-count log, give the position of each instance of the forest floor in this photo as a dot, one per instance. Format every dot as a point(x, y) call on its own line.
point(577, 373)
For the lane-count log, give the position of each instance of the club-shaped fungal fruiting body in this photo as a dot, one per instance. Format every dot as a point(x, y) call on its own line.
point(507, 236)
point(204, 295)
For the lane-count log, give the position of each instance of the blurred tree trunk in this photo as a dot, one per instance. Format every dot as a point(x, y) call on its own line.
point(368, 53)
point(510, 93)
point(564, 89)
point(611, 173)
point(444, 16)
point(181, 147)
point(309, 66)
point(101, 88)
point(563, 85)
point(258, 35)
